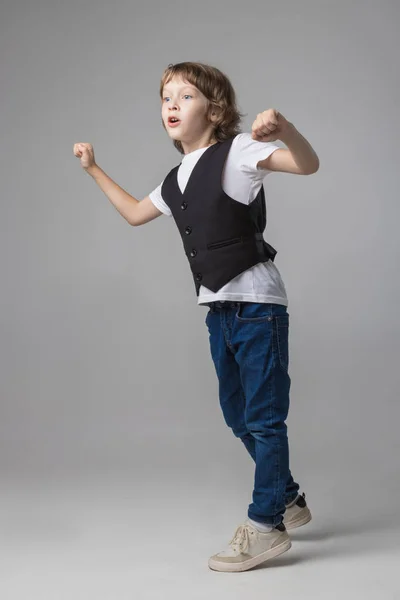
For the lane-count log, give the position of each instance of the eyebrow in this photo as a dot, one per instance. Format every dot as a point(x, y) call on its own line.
point(182, 88)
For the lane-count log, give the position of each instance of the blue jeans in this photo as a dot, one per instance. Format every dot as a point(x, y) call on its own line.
point(249, 345)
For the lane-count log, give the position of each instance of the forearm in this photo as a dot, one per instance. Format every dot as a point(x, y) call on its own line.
point(303, 153)
point(123, 202)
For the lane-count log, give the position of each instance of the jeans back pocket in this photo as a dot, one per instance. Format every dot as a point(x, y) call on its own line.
point(282, 337)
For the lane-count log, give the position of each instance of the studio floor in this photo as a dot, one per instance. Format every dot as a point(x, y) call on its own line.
point(110, 537)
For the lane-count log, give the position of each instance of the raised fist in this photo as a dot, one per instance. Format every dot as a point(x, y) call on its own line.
point(84, 151)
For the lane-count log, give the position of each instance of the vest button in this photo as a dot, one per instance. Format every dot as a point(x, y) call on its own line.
point(193, 252)
point(184, 205)
point(199, 276)
point(188, 230)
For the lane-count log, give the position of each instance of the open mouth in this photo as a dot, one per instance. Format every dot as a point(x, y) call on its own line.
point(173, 121)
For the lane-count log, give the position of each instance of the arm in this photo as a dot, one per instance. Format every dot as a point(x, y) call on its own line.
point(300, 158)
point(135, 212)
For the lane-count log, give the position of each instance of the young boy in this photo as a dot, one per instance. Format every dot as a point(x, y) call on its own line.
point(216, 197)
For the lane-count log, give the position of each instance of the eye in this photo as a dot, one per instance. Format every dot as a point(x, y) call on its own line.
point(187, 95)
point(167, 98)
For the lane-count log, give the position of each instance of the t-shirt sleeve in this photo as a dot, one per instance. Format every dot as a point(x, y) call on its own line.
point(250, 152)
point(156, 198)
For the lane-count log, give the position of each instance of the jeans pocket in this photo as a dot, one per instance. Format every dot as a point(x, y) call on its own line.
point(254, 312)
point(282, 337)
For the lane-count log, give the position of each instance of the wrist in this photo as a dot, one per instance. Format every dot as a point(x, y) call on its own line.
point(92, 170)
point(288, 132)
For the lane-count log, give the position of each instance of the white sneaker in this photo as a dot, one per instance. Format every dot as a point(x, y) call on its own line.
point(297, 513)
point(250, 547)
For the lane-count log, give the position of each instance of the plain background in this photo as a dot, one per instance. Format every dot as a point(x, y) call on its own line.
point(119, 476)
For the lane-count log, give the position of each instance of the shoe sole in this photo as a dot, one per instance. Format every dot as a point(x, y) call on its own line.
point(253, 562)
point(299, 521)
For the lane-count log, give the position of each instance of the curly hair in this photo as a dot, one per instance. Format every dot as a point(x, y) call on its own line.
point(219, 92)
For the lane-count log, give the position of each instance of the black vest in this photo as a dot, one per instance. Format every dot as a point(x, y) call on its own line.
point(221, 236)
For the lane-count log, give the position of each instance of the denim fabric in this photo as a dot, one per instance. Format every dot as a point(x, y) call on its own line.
point(249, 348)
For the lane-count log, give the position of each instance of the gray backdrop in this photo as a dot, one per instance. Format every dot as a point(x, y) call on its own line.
point(119, 476)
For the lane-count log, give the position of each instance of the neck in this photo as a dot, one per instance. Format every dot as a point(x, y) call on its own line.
point(203, 142)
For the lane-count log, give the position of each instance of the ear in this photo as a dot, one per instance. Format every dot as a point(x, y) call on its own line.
point(213, 113)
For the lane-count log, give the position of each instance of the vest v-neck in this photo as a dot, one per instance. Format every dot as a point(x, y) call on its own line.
point(195, 168)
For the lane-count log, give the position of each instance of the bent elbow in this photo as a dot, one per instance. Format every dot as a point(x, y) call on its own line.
point(312, 170)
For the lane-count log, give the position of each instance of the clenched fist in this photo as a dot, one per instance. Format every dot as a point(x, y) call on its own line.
point(84, 151)
point(269, 126)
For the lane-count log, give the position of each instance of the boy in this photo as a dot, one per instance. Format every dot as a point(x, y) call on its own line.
point(216, 197)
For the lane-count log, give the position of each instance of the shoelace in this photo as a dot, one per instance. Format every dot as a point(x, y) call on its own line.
point(241, 538)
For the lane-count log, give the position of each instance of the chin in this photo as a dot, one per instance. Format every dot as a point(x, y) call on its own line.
point(173, 135)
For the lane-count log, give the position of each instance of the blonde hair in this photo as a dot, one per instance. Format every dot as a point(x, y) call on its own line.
point(219, 92)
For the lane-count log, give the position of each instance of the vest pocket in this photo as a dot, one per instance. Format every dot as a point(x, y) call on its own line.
point(222, 243)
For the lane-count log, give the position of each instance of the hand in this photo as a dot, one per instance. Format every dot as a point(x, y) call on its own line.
point(84, 151)
point(269, 126)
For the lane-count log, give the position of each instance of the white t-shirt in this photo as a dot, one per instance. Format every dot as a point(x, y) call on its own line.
point(241, 180)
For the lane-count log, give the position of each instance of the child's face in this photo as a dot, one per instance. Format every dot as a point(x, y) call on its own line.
point(183, 101)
